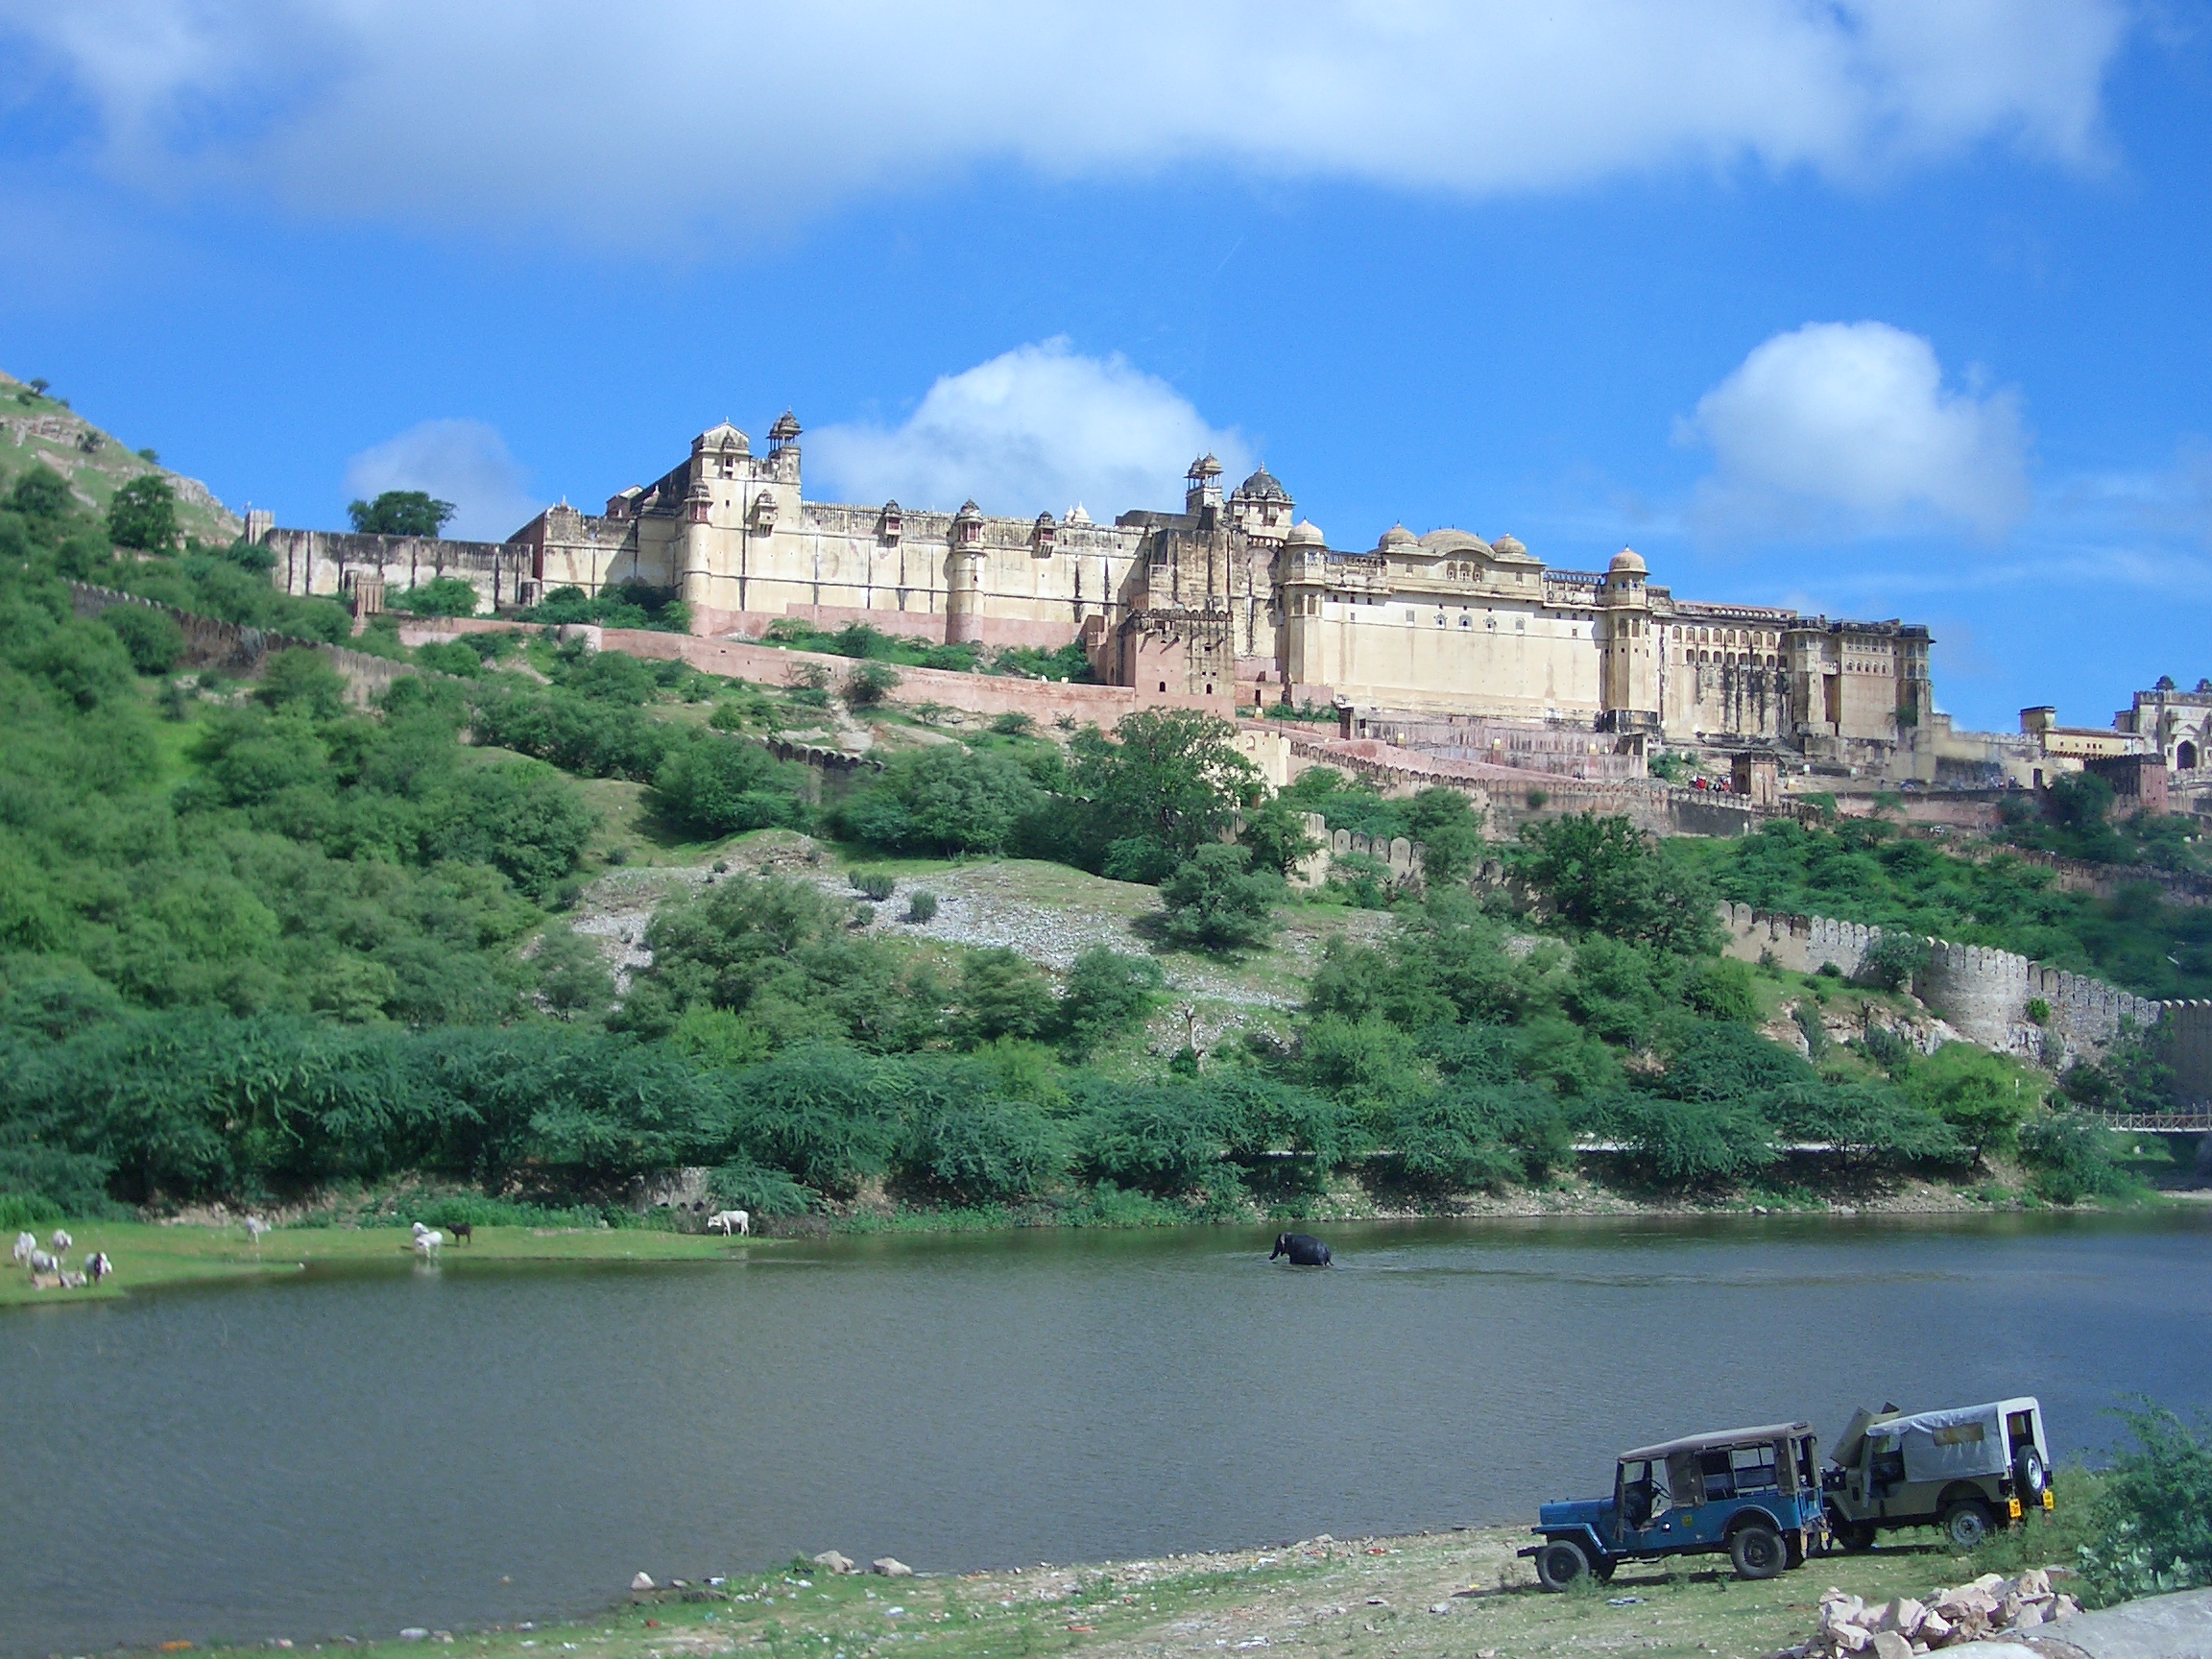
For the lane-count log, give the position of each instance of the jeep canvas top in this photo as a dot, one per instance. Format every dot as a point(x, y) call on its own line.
point(1966, 1468)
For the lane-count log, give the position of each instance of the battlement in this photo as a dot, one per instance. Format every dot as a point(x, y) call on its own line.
point(1985, 992)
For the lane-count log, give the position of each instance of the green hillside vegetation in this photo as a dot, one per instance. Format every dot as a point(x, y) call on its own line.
point(1866, 871)
point(92, 464)
point(255, 941)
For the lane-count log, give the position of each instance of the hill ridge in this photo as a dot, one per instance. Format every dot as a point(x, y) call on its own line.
point(40, 428)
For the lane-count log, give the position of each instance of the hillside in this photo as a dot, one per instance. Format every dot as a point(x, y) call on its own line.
point(41, 430)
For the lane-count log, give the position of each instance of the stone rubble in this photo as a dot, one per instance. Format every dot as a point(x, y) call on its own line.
point(1991, 1604)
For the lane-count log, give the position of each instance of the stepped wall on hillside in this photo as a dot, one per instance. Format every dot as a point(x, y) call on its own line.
point(1984, 993)
point(232, 648)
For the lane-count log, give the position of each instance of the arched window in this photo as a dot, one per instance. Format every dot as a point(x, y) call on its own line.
point(2185, 757)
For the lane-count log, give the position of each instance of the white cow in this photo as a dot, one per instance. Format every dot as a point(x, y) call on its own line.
point(97, 1266)
point(427, 1240)
point(728, 1221)
point(62, 1240)
point(255, 1227)
point(41, 1262)
point(25, 1243)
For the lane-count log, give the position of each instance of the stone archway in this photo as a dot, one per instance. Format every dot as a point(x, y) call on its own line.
point(2185, 756)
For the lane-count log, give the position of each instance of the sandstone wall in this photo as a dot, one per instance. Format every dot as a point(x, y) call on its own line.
point(1044, 701)
point(1985, 992)
point(245, 652)
point(320, 561)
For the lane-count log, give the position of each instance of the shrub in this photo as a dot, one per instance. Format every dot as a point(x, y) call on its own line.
point(1983, 1097)
point(1149, 1140)
point(920, 906)
point(1450, 831)
point(1720, 988)
point(1013, 724)
point(2069, 1155)
point(723, 785)
point(875, 884)
point(1364, 880)
point(2153, 1512)
point(1106, 994)
point(439, 596)
point(985, 1151)
point(151, 637)
point(1002, 995)
point(943, 799)
point(870, 683)
point(1692, 1142)
point(1215, 901)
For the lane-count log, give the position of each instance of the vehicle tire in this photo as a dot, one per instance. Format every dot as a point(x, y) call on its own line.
point(1758, 1552)
point(1967, 1524)
point(2031, 1476)
point(1561, 1564)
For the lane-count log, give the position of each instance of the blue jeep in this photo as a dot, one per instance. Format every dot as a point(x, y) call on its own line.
point(1752, 1493)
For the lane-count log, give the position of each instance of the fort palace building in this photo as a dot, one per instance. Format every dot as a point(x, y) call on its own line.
point(1467, 642)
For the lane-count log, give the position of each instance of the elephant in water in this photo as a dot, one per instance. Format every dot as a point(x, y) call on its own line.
point(1302, 1248)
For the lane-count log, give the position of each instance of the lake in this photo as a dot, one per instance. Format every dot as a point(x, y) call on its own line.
point(352, 1452)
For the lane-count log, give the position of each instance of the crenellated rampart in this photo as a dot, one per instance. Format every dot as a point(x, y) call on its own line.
point(1985, 992)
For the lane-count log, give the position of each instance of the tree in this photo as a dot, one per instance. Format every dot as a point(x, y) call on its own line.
point(143, 515)
point(1170, 782)
point(1983, 1097)
point(945, 799)
point(1606, 875)
point(40, 494)
point(721, 785)
point(401, 513)
point(572, 977)
point(1215, 900)
point(303, 680)
point(1449, 831)
point(1275, 834)
point(151, 637)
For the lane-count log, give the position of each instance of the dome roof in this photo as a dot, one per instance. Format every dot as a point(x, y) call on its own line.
point(1205, 467)
point(1076, 515)
point(1263, 485)
point(723, 437)
point(1628, 562)
point(1307, 533)
point(1398, 536)
point(785, 429)
point(1509, 544)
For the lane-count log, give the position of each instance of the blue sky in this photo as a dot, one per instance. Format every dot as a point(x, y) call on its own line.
point(1878, 307)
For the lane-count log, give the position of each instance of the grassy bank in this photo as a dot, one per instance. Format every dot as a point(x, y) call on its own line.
point(1454, 1593)
point(147, 1255)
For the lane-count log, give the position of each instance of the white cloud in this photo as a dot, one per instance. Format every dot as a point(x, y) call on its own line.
point(669, 115)
point(464, 462)
point(1039, 428)
point(1847, 429)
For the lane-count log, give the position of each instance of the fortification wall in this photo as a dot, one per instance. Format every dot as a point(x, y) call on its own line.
point(927, 626)
point(244, 652)
point(1984, 993)
point(1042, 700)
point(320, 561)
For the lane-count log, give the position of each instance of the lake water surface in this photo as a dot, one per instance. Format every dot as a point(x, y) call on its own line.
point(352, 1453)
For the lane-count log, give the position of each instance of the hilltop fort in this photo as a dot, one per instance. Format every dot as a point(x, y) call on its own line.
point(1463, 639)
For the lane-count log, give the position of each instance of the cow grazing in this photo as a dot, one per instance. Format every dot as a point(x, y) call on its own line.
point(462, 1232)
point(729, 1221)
point(1302, 1248)
point(97, 1266)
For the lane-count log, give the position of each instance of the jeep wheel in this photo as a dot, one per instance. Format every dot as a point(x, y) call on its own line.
point(1757, 1552)
point(1561, 1564)
point(2032, 1475)
point(1967, 1524)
